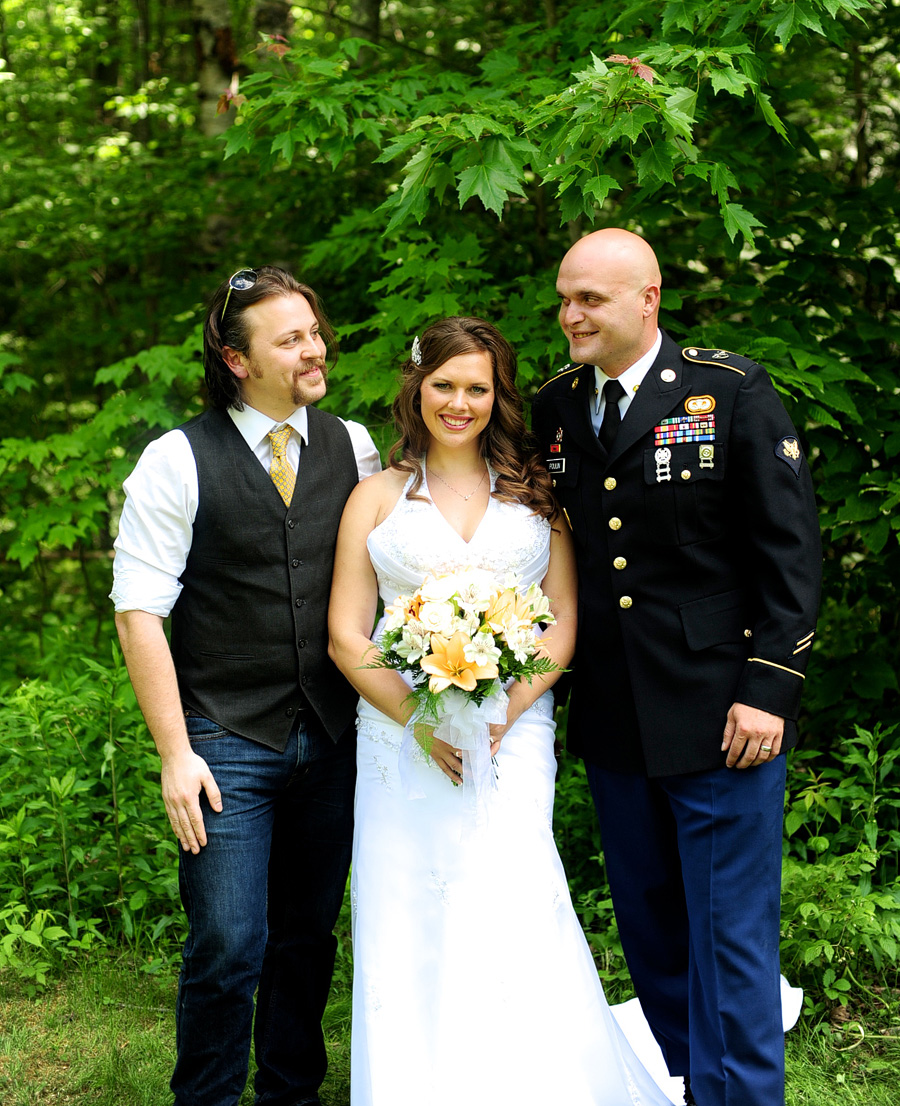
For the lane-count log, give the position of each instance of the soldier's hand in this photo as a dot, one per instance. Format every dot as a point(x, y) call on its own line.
point(752, 736)
point(183, 778)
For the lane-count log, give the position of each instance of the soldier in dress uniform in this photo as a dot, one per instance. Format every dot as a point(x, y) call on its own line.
point(699, 561)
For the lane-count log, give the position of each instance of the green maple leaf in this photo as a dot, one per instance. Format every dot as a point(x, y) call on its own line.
point(490, 183)
point(739, 219)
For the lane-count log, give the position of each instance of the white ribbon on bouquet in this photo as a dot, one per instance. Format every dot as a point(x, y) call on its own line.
point(465, 725)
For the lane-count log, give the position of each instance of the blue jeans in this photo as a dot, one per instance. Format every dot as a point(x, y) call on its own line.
point(262, 898)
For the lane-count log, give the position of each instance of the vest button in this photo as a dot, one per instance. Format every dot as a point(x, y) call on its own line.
point(304, 680)
point(625, 602)
point(291, 524)
point(615, 524)
point(295, 563)
point(299, 602)
point(301, 644)
point(619, 563)
point(609, 483)
point(289, 711)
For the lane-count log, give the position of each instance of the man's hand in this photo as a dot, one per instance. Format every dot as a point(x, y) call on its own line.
point(752, 736)
point(184, 776)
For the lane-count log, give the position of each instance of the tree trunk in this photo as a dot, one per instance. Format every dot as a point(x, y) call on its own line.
point(4, 42)
point(272, 17)
point(216, 61)
point(367, 17)
point(861, 135)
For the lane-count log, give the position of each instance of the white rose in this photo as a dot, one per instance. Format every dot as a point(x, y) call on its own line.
point(437, 618)
point(437, 589)
point(394, 618)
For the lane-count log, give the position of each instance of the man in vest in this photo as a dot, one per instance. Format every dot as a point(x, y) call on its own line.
point(229, 525)
point(699, 564)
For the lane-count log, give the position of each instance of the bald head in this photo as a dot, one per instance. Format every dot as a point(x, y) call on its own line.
point(609, 289)
point(618, 252)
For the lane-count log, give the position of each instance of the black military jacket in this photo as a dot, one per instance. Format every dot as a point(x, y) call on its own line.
point(699, 558)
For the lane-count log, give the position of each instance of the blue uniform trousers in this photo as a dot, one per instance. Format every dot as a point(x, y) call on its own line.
point(694, 866)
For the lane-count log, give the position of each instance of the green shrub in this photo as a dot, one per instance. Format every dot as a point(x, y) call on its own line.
point(841, 892)
point(85, 853)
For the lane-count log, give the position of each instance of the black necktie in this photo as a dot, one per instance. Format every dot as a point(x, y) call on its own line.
point(612, 393)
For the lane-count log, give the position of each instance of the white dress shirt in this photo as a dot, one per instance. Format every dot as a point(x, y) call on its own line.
point(630, 380)
point(162, 494)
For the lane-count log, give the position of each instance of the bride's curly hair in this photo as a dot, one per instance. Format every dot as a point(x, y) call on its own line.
point(506, 444)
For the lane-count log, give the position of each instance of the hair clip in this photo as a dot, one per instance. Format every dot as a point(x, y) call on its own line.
point(416, 352)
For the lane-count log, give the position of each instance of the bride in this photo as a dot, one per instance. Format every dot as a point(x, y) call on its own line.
point(473, 983)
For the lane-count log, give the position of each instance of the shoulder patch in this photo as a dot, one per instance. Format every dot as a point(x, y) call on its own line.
point(720, 357)
point(563, 372)
point(788, 450)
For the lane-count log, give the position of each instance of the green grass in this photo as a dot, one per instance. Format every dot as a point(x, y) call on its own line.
point(104, 1036)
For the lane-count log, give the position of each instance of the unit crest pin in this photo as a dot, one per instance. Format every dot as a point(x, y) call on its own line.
point(699, 405)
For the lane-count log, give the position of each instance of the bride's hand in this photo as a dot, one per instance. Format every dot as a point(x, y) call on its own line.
point(498, 732)
point(448, 759)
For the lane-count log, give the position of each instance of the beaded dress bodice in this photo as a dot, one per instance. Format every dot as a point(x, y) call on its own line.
point(416, 541)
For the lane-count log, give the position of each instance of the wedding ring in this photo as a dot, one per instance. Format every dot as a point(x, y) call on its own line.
point(458, 753)
point(766, 748)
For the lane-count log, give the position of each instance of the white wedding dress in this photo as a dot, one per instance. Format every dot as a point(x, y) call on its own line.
point(473, 983)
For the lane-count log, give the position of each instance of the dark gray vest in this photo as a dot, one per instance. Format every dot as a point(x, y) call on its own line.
point(249, 629)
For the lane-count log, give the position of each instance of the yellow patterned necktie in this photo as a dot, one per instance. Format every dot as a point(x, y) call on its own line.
point(283, 476)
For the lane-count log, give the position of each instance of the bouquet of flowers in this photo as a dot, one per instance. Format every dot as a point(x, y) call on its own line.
point(462, 636)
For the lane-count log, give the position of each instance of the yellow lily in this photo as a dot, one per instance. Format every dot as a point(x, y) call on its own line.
point(447, 664)
point(508, 609)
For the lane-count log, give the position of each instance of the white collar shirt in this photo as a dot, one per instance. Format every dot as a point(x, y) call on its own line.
point(161, 499)
point(255, 428)
point(630, 380)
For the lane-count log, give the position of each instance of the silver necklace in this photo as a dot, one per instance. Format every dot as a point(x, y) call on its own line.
point(452, 489)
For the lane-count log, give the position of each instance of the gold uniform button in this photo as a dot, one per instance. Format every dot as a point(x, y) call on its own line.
point(554, 483)
point(685, 474)
point(615, 524)
point(609, 483)
point(619, 563)
point(625, 602)
point(748, 633)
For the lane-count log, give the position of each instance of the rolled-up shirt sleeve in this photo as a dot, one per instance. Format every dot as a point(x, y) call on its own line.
point(156, 527)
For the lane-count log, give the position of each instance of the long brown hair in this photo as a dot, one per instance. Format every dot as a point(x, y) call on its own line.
point(506, 443)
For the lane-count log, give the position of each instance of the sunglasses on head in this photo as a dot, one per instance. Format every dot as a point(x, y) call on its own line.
point(239, 282)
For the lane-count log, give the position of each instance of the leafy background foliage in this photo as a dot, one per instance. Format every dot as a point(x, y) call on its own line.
point(413, 161)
